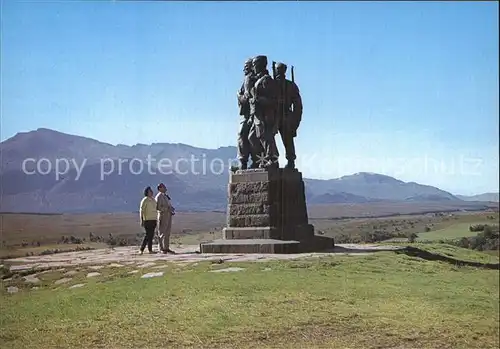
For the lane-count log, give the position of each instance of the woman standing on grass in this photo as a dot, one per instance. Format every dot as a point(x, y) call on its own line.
point(148, 216)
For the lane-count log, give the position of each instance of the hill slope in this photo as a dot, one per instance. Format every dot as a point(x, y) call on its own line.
point(93, 176)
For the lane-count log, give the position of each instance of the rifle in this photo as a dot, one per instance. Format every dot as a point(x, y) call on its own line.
point(274, 70)
point(293, 75)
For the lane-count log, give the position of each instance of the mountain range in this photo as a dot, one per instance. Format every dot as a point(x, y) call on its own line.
point(491, 197)
point(49, 171)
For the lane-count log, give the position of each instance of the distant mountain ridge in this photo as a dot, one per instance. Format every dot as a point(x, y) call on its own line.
point(193, 185)
point(377, 187)
point(486, 197)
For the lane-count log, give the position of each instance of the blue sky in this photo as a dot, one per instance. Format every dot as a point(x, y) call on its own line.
point(406, 89)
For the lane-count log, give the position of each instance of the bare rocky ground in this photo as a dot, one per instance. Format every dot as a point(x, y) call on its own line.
point(116, 257)
point(91, 264)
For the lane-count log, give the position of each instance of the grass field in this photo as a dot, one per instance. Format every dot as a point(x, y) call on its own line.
point(385, 300)
point(454, 231)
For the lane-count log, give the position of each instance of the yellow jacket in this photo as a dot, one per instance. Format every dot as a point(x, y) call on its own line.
point(147, 210)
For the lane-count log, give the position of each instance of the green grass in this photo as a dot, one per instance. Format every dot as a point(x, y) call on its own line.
point(455, 231)
point(383, 300)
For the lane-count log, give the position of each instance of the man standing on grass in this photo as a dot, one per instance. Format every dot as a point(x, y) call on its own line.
point(165, 212)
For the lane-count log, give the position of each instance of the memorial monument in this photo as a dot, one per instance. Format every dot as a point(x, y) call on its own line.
point(267, 210)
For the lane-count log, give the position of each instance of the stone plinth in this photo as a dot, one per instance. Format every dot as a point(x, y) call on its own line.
point(267, 205)
point(251, 246)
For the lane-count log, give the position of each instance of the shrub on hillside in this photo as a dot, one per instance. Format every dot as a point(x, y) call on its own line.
point(367, 236)
point(412, 237)
point(487, 240)
point(54, 251)
point(48, 252)
point(464, 243)
point(95, 238)
point(5, 272)
point(376, 236)
point(111, 241)
point(483, 227)
point(477, 227)
point(122, 240)
point(75, 240)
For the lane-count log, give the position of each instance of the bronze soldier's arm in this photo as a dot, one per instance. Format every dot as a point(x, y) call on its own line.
point(244, 94)
point(247, 86)
point(241, 91)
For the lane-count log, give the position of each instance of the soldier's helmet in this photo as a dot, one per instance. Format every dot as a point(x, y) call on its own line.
point(281, 67)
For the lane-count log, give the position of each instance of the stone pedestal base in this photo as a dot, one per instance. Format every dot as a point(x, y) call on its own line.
point(268, 207)
point(298, 232)
point(251, 246)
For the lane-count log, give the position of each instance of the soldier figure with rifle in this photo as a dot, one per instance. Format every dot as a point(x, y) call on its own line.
point(289, 110)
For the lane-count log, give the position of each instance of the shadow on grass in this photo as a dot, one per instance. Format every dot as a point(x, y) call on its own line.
point(419, 253)
point(342, 249)
point(416, 252)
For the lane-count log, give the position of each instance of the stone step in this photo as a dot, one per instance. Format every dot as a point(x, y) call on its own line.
point(251, 246)
point(230, 233)
point(296, 233)
point(317, 243)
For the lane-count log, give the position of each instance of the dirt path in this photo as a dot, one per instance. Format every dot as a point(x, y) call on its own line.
point(129, 255)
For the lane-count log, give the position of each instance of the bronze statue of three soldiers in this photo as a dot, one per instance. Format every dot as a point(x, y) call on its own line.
point(268, 105)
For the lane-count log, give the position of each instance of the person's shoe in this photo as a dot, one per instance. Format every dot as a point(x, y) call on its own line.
point(152, 252)
point(141, 252)
point(170, 251)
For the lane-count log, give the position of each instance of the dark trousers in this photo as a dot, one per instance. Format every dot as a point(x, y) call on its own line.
point(243, 143)
point(246, 146)
point(150, 227)
point(262, 138)
point(288, 143)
